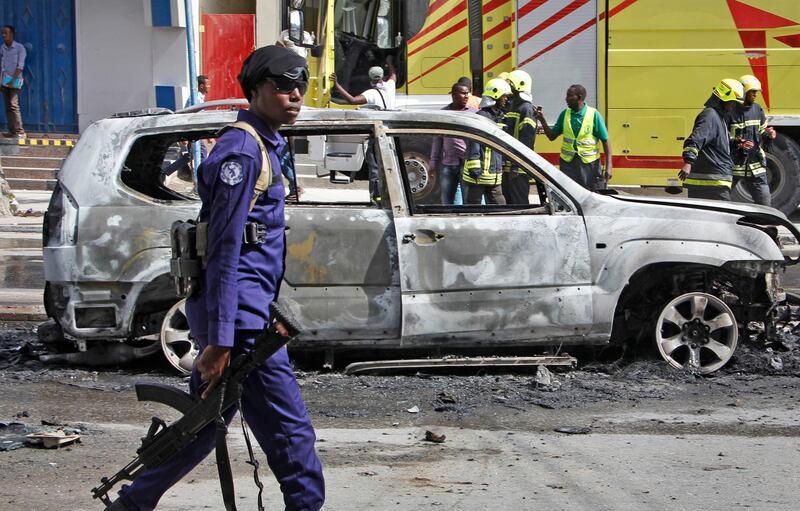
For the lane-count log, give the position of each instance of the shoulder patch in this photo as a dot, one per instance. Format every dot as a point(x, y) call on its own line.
point(231, 173)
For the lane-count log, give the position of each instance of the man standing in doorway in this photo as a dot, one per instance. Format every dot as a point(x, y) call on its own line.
point(707, 165)
point(583, 129)
point(203, 86)
point(749, 130)
point(12, 62)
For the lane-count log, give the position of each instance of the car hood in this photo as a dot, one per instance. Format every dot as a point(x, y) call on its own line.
point(736, 208)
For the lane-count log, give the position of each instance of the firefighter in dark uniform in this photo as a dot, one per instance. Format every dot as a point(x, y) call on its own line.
point(520, 121)
point(483, 167)
point(749, 131)
point(242, 277)
point(707, 170)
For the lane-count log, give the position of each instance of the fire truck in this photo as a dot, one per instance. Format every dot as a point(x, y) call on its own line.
point(649, 65)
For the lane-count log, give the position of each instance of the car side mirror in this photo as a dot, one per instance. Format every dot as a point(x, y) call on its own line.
point(296, 23)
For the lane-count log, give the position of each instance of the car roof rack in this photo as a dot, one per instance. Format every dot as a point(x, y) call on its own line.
point(143, 112)
point(233, 104)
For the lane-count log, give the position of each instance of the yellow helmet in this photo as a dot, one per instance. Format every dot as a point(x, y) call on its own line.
point(495, 89)
point(520, 81)
point(729, 90)
point(503, 75)
point(750, 82)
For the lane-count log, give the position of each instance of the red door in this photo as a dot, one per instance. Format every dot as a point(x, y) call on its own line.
point(227, 40)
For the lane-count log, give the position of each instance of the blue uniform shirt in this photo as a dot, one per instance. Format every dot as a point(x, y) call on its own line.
point(241, 279)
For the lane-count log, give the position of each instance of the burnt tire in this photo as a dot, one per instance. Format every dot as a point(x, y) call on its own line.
point(783, 175)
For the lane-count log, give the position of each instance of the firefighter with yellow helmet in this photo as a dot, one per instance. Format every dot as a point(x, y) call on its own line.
point(749, 132)
point(707, 171)
point(483, 168)
point(520, 121)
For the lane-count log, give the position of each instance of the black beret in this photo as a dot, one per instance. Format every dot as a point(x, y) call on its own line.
point(269, 61)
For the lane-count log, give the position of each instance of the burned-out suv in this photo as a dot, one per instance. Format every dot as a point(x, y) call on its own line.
point(570, 267)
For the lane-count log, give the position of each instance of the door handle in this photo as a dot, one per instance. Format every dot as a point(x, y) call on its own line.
point(424, 237)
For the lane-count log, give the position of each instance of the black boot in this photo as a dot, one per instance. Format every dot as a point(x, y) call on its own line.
point(117, 505)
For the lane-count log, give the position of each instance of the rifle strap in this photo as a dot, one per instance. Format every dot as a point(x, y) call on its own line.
point(223, 461)
point(252, 461)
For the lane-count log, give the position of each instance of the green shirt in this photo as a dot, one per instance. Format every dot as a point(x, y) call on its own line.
point(599, 130)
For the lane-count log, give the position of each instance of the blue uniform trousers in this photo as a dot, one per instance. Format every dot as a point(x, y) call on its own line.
point(275, 412)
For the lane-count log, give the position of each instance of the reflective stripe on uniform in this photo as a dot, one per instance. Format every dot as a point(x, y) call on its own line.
point(708, 182)
point(751, 169)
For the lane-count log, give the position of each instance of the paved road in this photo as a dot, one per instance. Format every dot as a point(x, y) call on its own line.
point(722, 443)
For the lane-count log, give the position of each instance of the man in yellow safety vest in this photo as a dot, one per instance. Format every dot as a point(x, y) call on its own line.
point(583, 129)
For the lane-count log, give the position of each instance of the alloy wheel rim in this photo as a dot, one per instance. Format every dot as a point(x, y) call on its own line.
point(697, 332)
point(176, 342)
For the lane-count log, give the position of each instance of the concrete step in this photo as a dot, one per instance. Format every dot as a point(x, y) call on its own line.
point(38, 162)
point(38, 151)
point(10, 148)
point(31, 184)
point(29, 173)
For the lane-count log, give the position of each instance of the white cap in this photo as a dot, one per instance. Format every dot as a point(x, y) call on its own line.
point(376, 73)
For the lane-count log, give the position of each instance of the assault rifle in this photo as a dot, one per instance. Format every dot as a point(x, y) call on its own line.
point(163, 441)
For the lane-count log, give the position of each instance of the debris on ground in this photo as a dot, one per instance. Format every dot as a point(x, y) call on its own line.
point(543, 377)
point(413, 409)
point(15, 435)
point(446, 398)
point(53, 439)
point(436, 438)
point(572, 430)
point(453, 361)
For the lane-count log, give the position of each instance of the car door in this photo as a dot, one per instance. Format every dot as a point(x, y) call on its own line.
point(489, 274)
point(341, 280)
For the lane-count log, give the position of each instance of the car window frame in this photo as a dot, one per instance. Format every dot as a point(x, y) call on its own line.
point(179, 199)
point(551, 187)
point(315, 128)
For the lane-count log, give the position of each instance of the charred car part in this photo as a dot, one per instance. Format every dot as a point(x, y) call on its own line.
point(566, 267)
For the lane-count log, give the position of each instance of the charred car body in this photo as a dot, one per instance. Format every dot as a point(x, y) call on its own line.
point(572, 267)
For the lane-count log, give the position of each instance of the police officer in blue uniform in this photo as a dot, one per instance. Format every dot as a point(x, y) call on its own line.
point(242, 277)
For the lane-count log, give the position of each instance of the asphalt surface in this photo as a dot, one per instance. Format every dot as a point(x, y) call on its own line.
point(630, 438)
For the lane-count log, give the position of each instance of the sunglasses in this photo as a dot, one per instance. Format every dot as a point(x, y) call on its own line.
point(286, 85)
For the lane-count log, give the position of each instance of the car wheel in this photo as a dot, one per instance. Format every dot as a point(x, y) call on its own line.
point(697, 332)
point(421, 179)
point(177, 344)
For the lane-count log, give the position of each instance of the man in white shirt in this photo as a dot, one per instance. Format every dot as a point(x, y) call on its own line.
point(381, 94)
